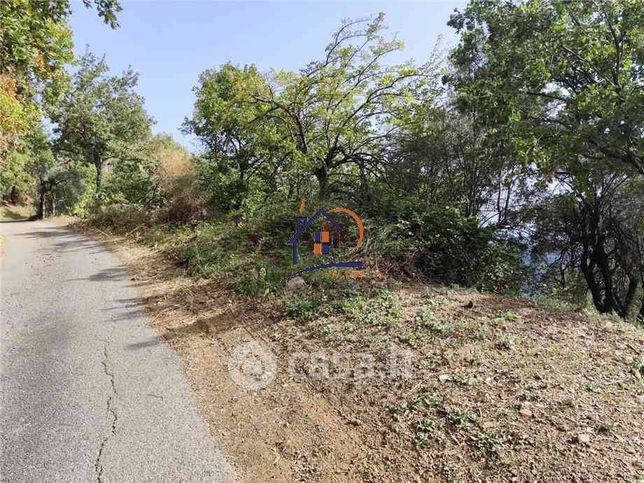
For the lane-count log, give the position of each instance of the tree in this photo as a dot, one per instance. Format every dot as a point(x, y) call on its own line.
point(242, 143)
point(100, 116)
point(564, 76)
point(562, 82)
point(341, 110)
point(442, 158)
point(16, 117)
point(598, 231)
point(15, 178)
point(35, 44)
point(332, 121)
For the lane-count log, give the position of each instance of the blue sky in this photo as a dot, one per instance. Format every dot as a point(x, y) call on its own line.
point(169, 42)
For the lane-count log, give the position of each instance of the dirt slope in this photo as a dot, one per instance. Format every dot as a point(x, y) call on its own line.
point(498, 388)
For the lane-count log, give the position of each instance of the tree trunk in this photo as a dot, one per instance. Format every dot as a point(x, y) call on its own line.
point(41, 203)
point(14, 196)
point(323, 183)
point(634, 300)
point(98, 180)
point(588, 271)
point(98, 164)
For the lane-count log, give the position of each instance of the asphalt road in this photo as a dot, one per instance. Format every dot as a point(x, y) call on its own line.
point(88, 392)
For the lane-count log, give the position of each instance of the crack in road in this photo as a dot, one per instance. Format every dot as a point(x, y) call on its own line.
point(110, 410)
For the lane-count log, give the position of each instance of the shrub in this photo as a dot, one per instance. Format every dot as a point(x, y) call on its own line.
point(121, 218)
point(451, 248)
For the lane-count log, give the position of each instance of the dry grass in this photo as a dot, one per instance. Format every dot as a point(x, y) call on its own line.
point(15, 212)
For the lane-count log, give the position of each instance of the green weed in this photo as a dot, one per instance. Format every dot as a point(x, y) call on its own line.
point(426, 400)
point(304, 309)
point(507, 317)
point(460, 419)
point(507, 342)
point(383, 310)
point(490, 444)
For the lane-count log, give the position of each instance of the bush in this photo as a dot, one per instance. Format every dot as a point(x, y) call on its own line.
point(121, 218)
point(451, 248)
point(132, 182)
point(499, 269)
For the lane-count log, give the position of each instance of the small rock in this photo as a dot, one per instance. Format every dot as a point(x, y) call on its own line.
point(354, 421)
point(487, 424)
point(295, 283)
point(444, 378)
point(525, 410)
point(583, 438)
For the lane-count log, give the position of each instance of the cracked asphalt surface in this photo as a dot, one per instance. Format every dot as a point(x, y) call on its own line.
point(88, 391)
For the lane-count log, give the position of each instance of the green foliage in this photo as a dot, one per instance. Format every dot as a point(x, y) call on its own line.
point(452, 245)
point(84, 200)
point(381, 310)
point(554, 303)
point(240, 137)
point(322, 125)
point(263, 279)
point(560, 85)
point(569, 225)
point(132, 181)
point(579, 60)
point(507, 342)
point(422, 432)
point(16, 118)
point(15, 176)
point(71, 188)
point(459, 418)
point(490, 444)
point(35, 44)
point(500, 268)
point(303, 308)
point(449, 247)
point(100, 118)
point(434, 324)
point(453, 183)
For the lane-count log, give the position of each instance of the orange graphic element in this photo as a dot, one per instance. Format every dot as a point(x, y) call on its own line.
point(358, 221)
point(317, 248)
point(346, 274)
point(324, 237)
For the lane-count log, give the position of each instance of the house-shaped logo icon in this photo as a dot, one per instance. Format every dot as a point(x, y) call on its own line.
point(322, 240)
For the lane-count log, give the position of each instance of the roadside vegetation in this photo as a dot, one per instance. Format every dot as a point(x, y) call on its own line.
point(512, 165)
point(502, 190)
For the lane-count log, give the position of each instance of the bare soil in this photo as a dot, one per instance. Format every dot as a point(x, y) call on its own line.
point(500, 388)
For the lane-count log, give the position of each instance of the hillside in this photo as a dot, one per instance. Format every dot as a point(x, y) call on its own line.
point(499, 388)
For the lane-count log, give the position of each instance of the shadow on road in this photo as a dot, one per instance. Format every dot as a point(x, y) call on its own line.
point(144, 344)
point(70, 241)
point(104, 275)
point(21, 220)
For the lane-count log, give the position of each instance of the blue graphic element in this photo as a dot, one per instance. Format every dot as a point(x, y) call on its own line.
point(302, 223)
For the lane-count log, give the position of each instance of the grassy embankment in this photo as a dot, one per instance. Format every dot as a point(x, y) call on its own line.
point(501, 387)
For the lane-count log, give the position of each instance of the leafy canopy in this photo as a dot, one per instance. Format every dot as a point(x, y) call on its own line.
point(101, 116)
point(564, 77)
point(330, 122)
